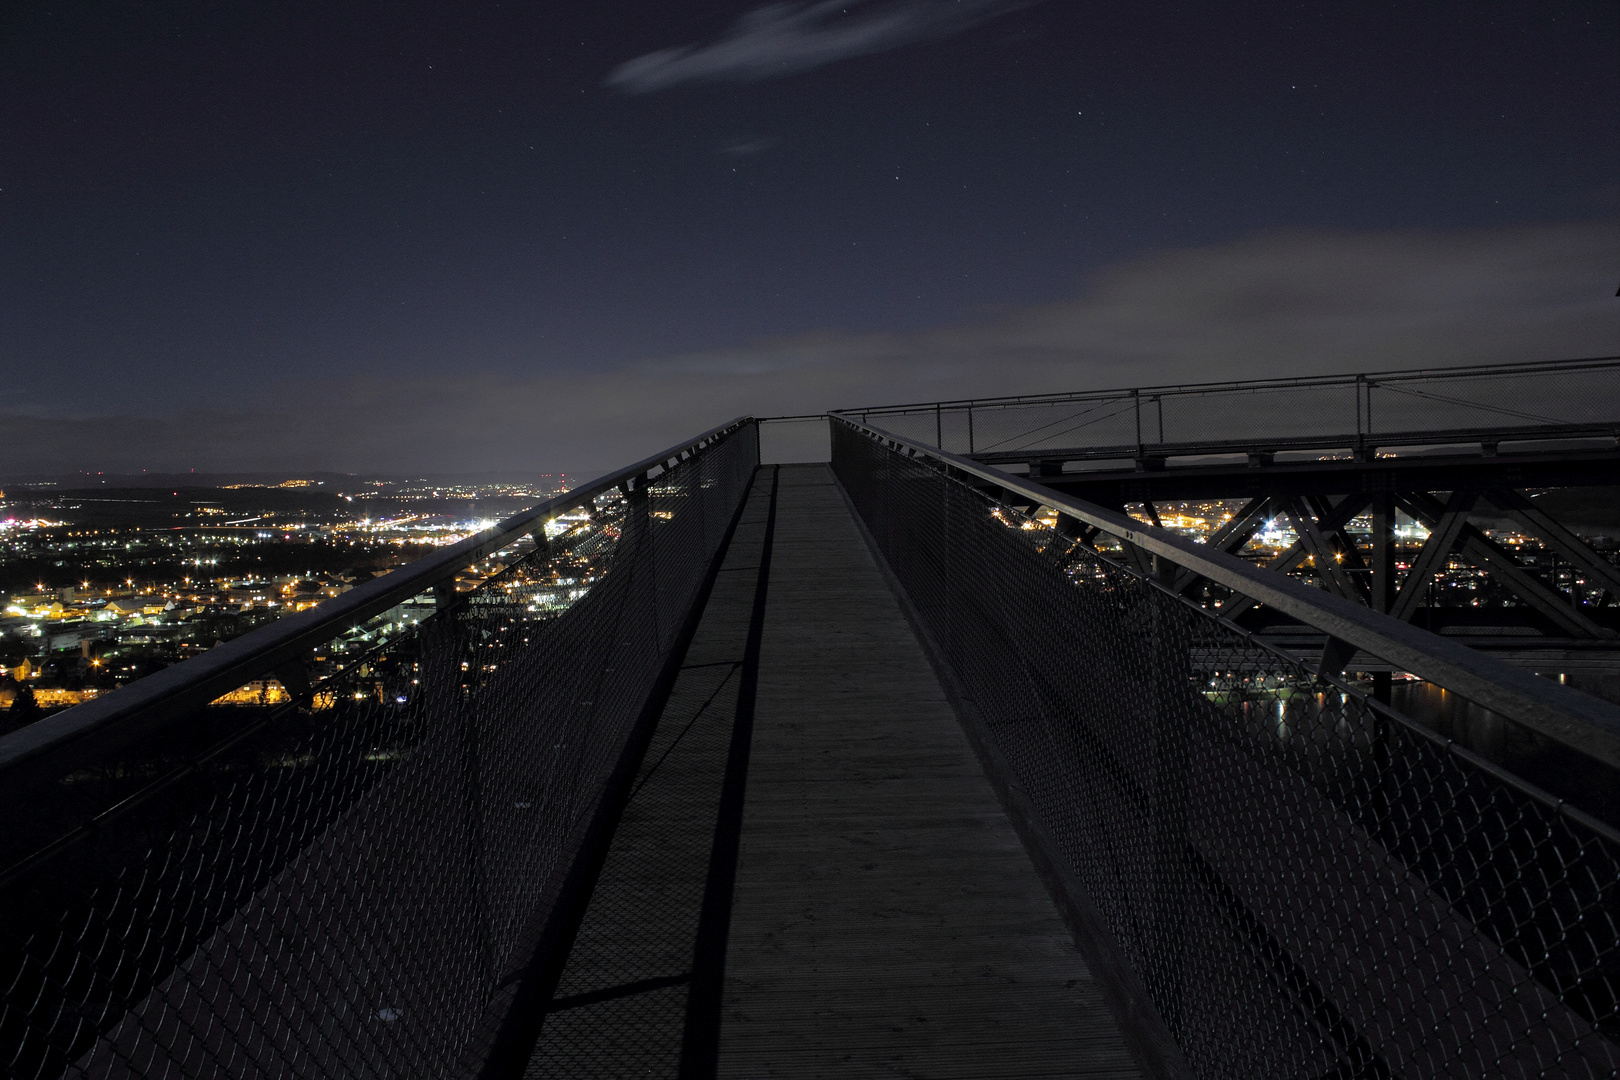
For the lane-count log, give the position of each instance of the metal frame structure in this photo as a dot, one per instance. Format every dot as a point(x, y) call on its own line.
point(383, 877)
point(1270, 872)
point(1568, 716)
point(1141, 415)
point(1433, 445)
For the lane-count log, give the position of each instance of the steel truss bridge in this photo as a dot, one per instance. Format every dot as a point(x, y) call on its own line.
point(1431, 449)
point(945, 757)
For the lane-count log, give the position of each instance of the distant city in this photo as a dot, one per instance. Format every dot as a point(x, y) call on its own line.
point(106, 578)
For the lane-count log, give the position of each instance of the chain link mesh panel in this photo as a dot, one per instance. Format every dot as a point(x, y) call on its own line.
point(346, 887)
point(1306, 883)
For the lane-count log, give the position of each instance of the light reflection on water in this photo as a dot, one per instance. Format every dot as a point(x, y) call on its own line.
point(1563, 773)
point(1454, 717)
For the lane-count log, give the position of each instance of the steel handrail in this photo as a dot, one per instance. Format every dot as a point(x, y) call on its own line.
point(1579, 721)
point(1285, 443)
point(1281, 383)
point(66, 739)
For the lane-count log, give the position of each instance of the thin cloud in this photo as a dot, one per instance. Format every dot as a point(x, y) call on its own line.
point(748, 149)
point(784, 39)
point(1283, 303)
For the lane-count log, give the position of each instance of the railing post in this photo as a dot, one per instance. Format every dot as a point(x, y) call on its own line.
point(1359, 380)
point(1383, 552)
point(1136, 406)
point(939, 428)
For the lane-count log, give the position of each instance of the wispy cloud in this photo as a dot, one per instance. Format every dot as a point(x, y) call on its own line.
point(1287, 303)
point(748, 148)
point(782, 39)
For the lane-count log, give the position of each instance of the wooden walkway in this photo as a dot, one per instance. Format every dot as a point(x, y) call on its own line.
point(883, 918)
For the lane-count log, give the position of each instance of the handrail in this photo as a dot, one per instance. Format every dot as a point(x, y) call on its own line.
point(1282, 383)
point(1341, 440)
point(56, 743)
point(1584, 723)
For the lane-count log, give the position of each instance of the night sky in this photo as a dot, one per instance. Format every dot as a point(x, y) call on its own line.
point(460, 236)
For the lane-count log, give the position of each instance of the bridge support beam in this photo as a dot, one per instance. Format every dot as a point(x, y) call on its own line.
point(1383, 585)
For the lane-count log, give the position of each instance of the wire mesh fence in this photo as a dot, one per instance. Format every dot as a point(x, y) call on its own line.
point(348, 886)
point(1305, 883)
point(1329, 412)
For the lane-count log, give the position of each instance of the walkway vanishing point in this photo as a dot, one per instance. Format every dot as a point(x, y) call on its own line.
point(814, 876)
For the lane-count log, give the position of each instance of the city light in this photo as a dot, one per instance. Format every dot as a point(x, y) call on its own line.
point(107, 601)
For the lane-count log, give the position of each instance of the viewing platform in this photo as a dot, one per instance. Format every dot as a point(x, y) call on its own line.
point(897, 763)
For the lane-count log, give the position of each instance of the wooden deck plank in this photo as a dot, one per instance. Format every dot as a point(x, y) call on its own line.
point(886, 919)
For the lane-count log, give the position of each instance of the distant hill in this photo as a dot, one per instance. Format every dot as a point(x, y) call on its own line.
point(189, 505)
point(333, 480)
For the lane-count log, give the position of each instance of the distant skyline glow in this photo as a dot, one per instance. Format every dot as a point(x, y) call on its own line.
point(446, 238)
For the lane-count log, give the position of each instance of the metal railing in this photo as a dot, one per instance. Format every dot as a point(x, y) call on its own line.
point(1361, 413)
point(372, 880)
point(376, 880)
point(1580, 721)
point(1299, 880)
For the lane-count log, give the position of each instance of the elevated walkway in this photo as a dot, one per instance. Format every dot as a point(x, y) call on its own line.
point(666, 785)
point(813, 876)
